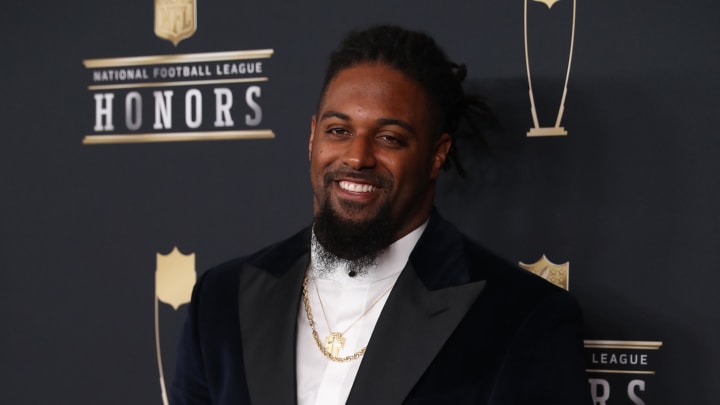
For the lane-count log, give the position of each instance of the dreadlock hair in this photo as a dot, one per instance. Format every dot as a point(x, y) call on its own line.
point(418, 56)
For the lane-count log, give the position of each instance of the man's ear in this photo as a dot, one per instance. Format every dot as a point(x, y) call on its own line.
point(312, 134)
point(440, 152)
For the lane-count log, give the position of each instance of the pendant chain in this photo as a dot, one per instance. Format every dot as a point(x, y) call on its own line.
point(322, 307)
point(333, 335)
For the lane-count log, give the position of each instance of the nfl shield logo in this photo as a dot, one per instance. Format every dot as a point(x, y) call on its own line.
point(175, 20)
point(175, 278)
point(558, 274)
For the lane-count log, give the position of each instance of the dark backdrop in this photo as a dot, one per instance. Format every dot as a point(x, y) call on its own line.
point(629, 198)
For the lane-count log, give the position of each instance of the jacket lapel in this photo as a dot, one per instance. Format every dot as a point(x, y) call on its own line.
point(412, 329)
point(430, 298)
point(268, 304)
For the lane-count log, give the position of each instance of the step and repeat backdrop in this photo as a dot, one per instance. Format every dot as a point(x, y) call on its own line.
point(143, 142)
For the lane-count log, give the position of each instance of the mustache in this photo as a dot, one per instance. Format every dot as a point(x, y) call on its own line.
point(366, 177)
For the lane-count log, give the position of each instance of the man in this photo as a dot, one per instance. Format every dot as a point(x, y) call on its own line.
point(381, 301)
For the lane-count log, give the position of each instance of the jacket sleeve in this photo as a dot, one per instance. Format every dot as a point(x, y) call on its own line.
point(545, 363)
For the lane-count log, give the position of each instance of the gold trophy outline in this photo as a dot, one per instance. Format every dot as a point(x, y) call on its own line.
point(175, 278)
point(557, 130)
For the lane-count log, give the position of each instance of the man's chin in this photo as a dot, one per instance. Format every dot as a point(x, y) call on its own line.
point(355, 217)
point(351, 232)
point(354, 211)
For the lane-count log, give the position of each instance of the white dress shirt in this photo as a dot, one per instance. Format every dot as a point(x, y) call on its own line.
point(350, 305)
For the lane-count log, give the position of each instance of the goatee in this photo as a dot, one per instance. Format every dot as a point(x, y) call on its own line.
point(358, 243)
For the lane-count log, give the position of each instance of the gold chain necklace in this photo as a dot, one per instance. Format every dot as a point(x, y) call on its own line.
point(335, 341)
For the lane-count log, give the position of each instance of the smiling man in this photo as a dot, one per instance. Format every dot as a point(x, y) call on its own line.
point(375, 152)
point(380, 301)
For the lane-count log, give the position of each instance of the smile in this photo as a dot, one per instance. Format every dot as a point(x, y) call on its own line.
point(356, 187)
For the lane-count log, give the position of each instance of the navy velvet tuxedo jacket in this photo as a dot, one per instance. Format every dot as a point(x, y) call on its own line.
point(461, 326)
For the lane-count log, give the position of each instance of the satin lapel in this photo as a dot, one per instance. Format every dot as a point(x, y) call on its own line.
point(268, 316)
point(413, 326)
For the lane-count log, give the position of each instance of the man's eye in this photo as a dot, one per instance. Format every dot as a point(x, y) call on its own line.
point(391, 140)
point(338, 131)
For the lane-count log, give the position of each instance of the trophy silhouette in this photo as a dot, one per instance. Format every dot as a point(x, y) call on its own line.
point(556, 130)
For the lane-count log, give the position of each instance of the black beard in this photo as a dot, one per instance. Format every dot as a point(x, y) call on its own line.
point(357, 242)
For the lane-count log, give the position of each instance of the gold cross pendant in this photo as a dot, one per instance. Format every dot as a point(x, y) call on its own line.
point(334, 343)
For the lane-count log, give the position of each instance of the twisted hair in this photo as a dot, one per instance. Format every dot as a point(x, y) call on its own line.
point(418, 56)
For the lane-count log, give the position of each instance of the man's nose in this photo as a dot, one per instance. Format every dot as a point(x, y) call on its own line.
point(360, 152)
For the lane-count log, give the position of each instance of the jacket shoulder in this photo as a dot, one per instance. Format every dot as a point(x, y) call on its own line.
point(516, 288)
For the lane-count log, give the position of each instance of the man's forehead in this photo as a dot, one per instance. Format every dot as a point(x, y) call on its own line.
point(380, 91)
point(373, 80)
point(368, 73)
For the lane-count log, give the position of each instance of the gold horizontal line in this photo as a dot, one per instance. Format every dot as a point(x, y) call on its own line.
point(620, 372)
point(547, 131)
point(175, 84)
point(622, 344)
point(178, 137)
point(182, 58)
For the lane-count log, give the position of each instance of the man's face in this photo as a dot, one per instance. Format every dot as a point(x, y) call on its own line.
point(373, 148)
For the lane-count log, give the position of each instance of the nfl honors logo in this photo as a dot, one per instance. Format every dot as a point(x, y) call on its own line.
point(175, 20)
point(228, 83)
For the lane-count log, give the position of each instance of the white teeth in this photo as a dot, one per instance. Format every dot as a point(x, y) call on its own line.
point(356, 188)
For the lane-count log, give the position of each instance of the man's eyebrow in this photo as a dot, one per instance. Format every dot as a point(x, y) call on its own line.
point(335, 114)
point(379, 121)
point(395, 121)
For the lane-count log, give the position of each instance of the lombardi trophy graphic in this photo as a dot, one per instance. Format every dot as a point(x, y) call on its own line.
point(556, 130)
